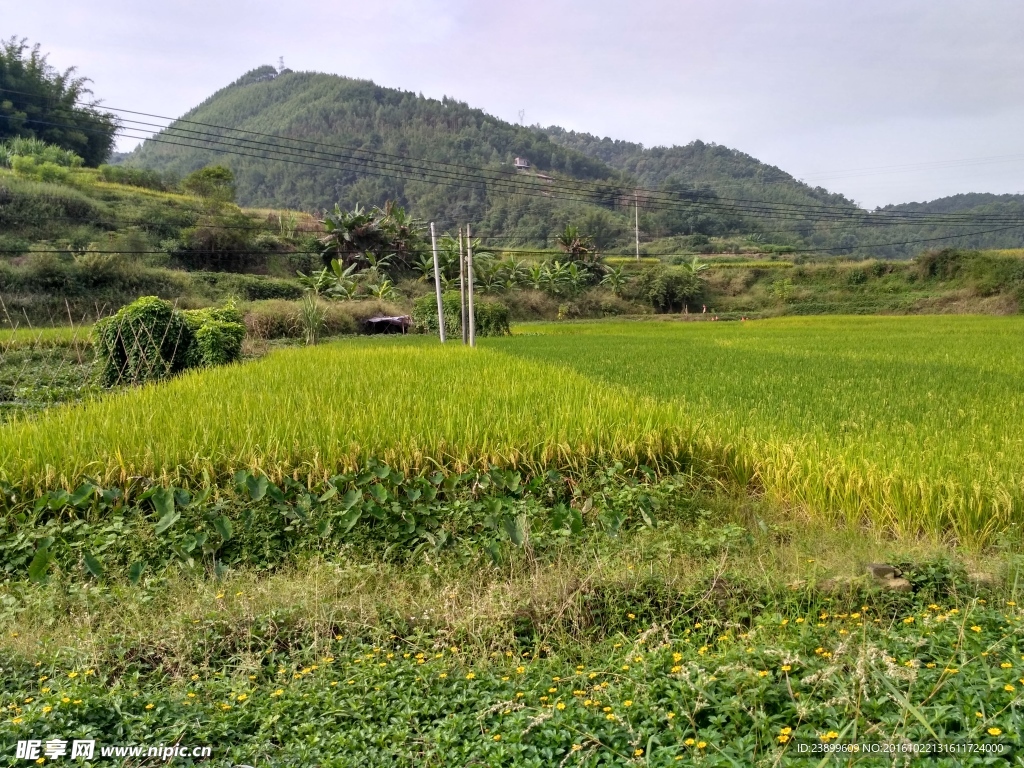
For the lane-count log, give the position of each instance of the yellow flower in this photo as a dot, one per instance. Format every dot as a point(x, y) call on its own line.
point(219, 595)
point(72, 675)
point(978, 714)
point(278, 692)
point(785, 731)
point(625, 667)
point(471, 675)
point(66, 700)
point(552, 690)
point(560, 705)
point(225, 707)
point(16, 720)
point(195, 677)
point(496, 737)
point(607, 709)
point(520, 670)
point(800, 620)
point(783, 738)
point(670, 715)
point(675, 669)
point(149, 706)
point(1008, 688)
point(975, 628)
point(763, 673)
point(701, 744)
point(994, 731)
point(908, 620)
point(630, 616)
point(689, 742)
point(930, 665)
point(47, 709)
point(242, 697)
point(1006, 665)
point(543, 698)
point(443, 675)
point(786, 667)
point(637, 752)
point(609, 717)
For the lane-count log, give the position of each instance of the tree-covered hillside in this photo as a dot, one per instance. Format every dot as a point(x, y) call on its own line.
point(309, 140)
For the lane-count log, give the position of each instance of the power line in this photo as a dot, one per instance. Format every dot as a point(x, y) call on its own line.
point(466, 173)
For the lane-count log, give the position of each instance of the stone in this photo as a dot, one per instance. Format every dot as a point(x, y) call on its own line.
point(882, 571)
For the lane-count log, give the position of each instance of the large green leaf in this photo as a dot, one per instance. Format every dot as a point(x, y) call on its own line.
point(39, 566)
point(167, 521)
point(223, 526)
point(135, 572)
point(92, 565)
point(163, 502)
point(257, 486)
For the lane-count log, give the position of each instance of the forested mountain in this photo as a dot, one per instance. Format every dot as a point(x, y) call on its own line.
point(351, 142)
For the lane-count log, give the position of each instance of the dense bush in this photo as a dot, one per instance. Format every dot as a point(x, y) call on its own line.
point(143, 341)
point(133, 177)
point(492, 317)
point(149, 339)
point(278, 319)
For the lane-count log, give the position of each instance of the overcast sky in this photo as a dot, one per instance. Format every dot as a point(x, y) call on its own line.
point(882, 100)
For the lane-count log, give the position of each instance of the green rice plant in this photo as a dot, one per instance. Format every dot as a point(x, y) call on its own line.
point(313, 412)
point(911, 423)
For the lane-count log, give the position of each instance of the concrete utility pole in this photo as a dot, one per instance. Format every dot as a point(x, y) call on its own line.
point(462, 289)
point(469, 272)
point(636, 200)
point(437, 284)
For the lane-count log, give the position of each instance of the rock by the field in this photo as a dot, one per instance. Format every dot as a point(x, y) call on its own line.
point(896, 585)
point(883, 571)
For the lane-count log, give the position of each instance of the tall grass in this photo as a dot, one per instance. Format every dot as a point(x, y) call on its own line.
point(912, 423)
point(316, 411)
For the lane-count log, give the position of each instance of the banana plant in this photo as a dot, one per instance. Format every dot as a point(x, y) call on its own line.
point(615, 280)
point(382, 290)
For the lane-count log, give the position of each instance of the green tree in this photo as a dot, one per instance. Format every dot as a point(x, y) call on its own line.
point(214, 182)
point(38, 102)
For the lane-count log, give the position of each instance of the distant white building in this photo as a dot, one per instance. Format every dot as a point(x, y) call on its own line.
point(522, 164)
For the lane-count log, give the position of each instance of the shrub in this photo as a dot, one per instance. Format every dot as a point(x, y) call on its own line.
point(492, 317)
point(149, 340)
point(133, 177)
point(144, 341)
point(277, 319)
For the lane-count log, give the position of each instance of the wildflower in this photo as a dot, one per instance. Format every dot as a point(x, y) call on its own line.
point(975, 628)
point(496, 737)
point(72, 675)
point(675, 669)
point(627, 703)
point(520, 670)
point(827, 737)
point(278, 692)
point(47, 709)
point(225, 707)
point(638, 659)
point(520, 695)
point(242, 697)
point(951, 670)
point(783, 738)
point(994, 731)
point(149, 706)
point(577, 747)
point(609, 717)
point(66, 700)
point(930, 665)
point(443, 675)
point(908, 620)
point(784, 622)
point(800, 620)
point(637, 752)
point(1006, 665)
point(1009, 688)
point(220, 595)
point(763, 673)
point(17, 720)
point(543, 698)
point(471, 675)
point(701, 744)
point(978, 714)
point(630, 616)
point(625, 667)
point(592, 675)
point(560, 705)
point(698, 625)
point(552, 690)
point(689, 742)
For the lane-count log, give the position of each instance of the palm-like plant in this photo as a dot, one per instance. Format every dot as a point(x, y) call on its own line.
point(383, 290)
point(577, 247)
point(615, 280)
point(516, 273)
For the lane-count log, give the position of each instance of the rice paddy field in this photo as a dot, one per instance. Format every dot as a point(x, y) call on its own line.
point(909, 423)
point(588, 544)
